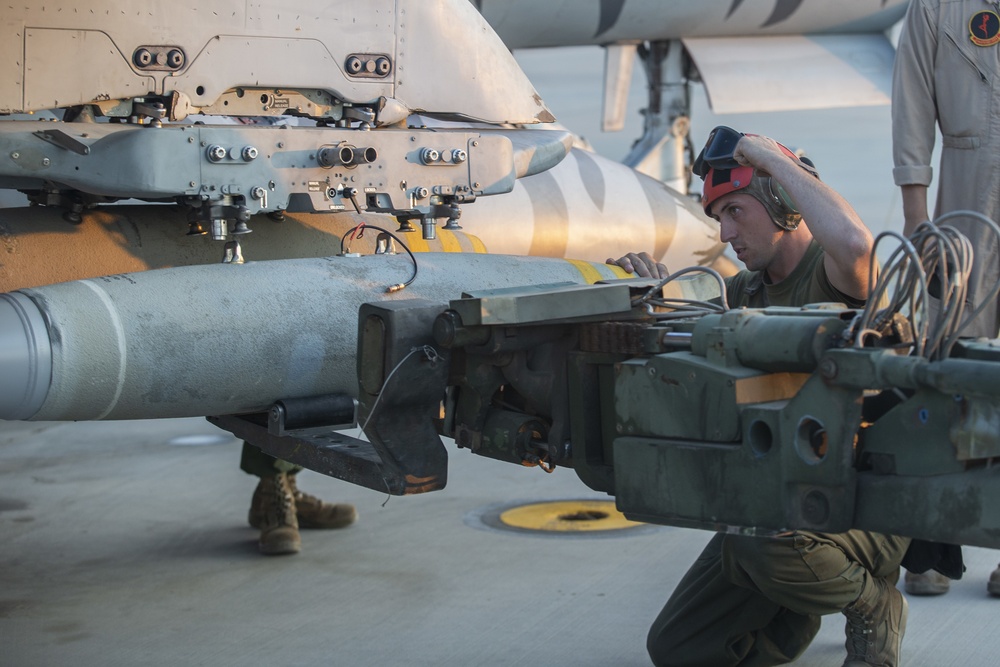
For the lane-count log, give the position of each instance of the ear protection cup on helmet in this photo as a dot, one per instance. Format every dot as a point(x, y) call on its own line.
point(780, 197)
point(782, 200)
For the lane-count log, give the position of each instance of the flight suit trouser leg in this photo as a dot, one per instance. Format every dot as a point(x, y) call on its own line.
point(255, 462)
point(756, 601)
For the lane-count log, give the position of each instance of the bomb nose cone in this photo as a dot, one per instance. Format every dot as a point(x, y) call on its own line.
point(25, 357)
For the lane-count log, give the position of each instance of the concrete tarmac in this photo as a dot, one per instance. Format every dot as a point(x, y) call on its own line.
point(126, 543)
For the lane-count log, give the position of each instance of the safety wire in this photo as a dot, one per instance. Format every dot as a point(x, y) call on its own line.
point(935, 257)
point(682, 308)
point(431, 355)
point(358, 232)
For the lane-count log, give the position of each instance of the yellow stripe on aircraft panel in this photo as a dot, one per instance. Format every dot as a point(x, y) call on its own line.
point(449, 242)
point(477, 244)
point(415, 242)
point(587, 270)
point(619, 271)
point(445, 242)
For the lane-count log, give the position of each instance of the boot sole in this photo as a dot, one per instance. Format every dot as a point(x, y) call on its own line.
point(342, 522)
point(926, 589)
point(309, 525)
point(280, 549)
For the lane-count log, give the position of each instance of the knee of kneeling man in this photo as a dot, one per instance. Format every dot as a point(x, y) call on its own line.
point(666, 644)
point(757, 555)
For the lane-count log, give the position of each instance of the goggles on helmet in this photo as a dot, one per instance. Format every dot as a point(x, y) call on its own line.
point(722, 174)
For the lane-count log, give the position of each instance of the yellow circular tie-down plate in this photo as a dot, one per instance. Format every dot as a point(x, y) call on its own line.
point(567, 516)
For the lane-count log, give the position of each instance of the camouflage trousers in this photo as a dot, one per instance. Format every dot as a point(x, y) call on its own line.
point(757, 601)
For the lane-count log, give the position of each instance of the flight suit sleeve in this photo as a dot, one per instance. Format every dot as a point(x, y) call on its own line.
point(914, 106)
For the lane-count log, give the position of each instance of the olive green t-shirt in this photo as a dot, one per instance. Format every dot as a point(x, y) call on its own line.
point(808, 283)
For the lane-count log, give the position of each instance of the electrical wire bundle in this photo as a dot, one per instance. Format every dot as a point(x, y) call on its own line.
point(682, 308)
point(935, 261)
point(358, 231)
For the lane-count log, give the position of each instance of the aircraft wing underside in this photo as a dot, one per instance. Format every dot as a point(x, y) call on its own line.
point(793, 72)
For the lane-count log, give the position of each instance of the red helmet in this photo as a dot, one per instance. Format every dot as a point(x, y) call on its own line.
point(719, 182)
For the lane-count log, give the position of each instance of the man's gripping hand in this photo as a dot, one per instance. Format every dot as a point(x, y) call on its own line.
point(641, 264)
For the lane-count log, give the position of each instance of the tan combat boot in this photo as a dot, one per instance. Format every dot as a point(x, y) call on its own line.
point(311, 512)
point(930, 582)
point(272, 510)
point(876, 622)
point(314, 513)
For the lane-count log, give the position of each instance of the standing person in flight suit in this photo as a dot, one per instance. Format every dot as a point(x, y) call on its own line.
point(945, 76)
